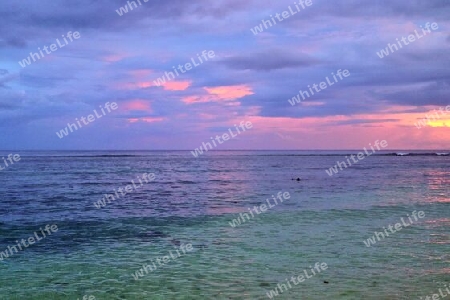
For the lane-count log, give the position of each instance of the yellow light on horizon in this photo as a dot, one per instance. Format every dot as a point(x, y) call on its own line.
point(439, 123)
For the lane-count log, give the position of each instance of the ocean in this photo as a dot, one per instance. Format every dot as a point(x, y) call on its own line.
point(132, 247)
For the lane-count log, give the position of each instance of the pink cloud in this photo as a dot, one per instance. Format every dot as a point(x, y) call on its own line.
point(309, 133)
point(145, 120)
point(220, 93)
point(230, 92)
point(206, 116)
point(113, 57)
point(133, 85)
point(176, 85)
point(137, 104)
point(198, 99)
point(138, 80)
point(140, 73)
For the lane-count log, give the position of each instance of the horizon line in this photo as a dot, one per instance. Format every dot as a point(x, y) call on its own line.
point(215, 150)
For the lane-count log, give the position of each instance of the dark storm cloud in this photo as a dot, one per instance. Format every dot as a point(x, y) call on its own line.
point(362, 121)
point(42, 81)
point(410, 8)
point(102, 14)
point(13, 42)
point(436, 9)
point(272, 59)
point(436, 93)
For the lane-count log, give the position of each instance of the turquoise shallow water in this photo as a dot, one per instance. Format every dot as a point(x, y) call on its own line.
point(96, 251)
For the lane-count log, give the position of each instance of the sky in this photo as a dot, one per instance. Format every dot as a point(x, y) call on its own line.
point(250, 78)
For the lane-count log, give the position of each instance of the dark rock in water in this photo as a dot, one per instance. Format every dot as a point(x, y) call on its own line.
point(175, 242)
point(157, 234)
point(153, 234)
point(325, 281)
point(201, 247)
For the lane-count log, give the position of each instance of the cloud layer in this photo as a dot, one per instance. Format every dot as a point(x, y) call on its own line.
point(119, 58)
